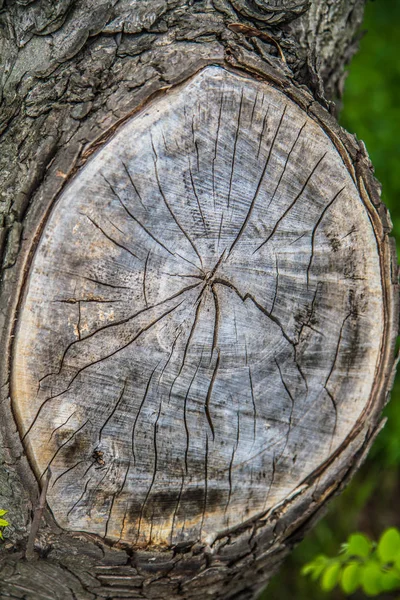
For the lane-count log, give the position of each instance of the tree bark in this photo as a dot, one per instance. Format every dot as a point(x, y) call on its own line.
point(253, 86)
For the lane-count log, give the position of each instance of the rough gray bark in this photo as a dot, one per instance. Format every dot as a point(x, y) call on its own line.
point(71, 73)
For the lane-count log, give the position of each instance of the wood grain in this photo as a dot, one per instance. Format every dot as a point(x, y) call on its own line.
point(203, 317)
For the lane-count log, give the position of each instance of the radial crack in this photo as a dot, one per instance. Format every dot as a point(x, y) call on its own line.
point(114, 497)
point(268, 314)
point(216, 320)
point(186, 349)
point(97, 281)
point(262, 131)
point(276, 285)
point(135, 219)
point(254, 108)
point(117, 324)
point(177, 507)
point(235, 146)
point(205, 487)
point(196, 196)
point(286, 162)
point(220, 230)
point(131, 341)
point(216, 146)
point(144, 280)
point(185, 414)
point(249, 296)
point(254, 405)
point(252, 203)
point(234, 449)
point(62, 446)
point(169, 357)
point(163, 196)
point(109, 237)
point(314, 231)
point(330, 394)
point(121, 395)
point(79, 499)
point(139, 411)
point(154, 471)
point(292, 204)
point(135, 337)
point(62, 424)
point(195, 143)
point(68, 470)
point(133, 184)
point(288, 392)
point(209, 394)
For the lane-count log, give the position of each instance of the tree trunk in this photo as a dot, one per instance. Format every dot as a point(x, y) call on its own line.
point(198, 296)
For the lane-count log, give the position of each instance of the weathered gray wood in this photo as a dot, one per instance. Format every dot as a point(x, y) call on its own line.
point(70, 75)
point(204, 313)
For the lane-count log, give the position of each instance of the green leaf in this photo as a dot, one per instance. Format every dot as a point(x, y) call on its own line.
point(331, 577)
point(389, 545)
point(308, 569)
point(351, 578)
point(3, 523)
point(1, 536)
point(358, 545)
point(371, 575)
point(390, 581)
point(316, 567)
point(396, 561)
point(318, 570)
point(3, 512)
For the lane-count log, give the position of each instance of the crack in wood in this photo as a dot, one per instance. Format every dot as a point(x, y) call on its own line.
point(80, 462)
point(196, 196)
point(140, 410)
point(177, 508)
point(163, 196)
point(254, 199)
point(292, 204)
point(63, 445)
point(292, 405)
point(203, 516)
point(254, 405)
point(133, 184)
point(114, 496)
point(112, 240)
point(330, 394)
point(193, 356)
point(209, 394)
point(286, 162)
point(154, 471)
point(79, 371)
point(262, 131)
point(62, 425)
point(314, 231)
point(144, 279)
point(112, 413)
point(216, 147)
point(235, 146)
point(135, 219)
point(185, 415)
point(276, 284)
point(117, 324)
point(234, 449)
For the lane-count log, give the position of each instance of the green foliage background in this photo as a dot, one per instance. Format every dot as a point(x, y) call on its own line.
point(371, 109)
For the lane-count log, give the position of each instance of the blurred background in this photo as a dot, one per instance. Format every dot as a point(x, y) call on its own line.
point(371, 503)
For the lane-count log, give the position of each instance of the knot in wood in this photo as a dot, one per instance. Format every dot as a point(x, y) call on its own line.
point(202, 319)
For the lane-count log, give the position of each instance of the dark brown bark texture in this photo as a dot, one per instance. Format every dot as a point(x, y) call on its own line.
point(70, 72)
